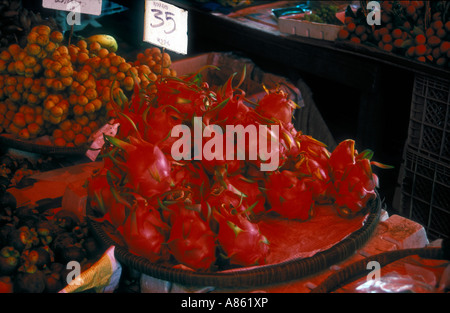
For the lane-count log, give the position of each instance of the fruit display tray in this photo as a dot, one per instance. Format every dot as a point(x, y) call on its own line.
point(35, 146)
point(290, 267)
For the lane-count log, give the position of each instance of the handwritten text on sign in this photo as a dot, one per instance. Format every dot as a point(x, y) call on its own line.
point(93, 7)
point(166, 26)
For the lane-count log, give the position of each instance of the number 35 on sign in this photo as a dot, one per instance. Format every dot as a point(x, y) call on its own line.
point(165, 25)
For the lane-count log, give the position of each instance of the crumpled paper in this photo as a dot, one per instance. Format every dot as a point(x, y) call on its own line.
point(98, 140)
point(412, 274)
point(397, 283)
point(102, 277)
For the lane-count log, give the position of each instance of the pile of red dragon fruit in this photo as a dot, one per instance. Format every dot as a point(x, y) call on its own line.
point(204, 214)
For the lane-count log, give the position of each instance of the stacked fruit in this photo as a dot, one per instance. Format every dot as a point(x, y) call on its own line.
point(323, 14)
point(204, 212)
point(17, 21)
point(416, 29)
point(153, 62)
point(36, 247)
point(36, 243)
point(35, 78)
point(46, 83)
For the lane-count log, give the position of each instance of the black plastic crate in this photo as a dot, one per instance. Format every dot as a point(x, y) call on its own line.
point(429, 128)
point(425, 193)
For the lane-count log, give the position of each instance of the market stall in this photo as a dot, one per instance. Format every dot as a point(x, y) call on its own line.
point(131, 168)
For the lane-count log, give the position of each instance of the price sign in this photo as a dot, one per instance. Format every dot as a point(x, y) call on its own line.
point(93, 7)
point(165, 25)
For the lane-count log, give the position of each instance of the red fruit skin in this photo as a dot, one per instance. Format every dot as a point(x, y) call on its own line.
point(231, 166)
point(217, 162)
point(170, 212)
point(145, 232)
point(342, 157)
point(191, 178)
point(315, 177)
point(221, 197)
point(276, 105)
point(300, 209)
point(147, 167)
point(117, 213)
point(191, 241)
point(306, 147)
point(161, 121)
point(126, 129)
point(99, 192)
point(253, 195)
point(234, 112)
point(289, 196)
point(101, 198)
point(241, 239)
point(273, 136)
point(355, 189)
point(189, 100)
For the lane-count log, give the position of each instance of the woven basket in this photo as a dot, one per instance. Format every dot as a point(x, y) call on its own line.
point(252, 277)
point(38, 148)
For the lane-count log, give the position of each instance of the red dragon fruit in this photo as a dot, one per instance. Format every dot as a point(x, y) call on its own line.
point(161, 121)
point(277, 105)
point(313, 149)
point(250, 191)
point(144, 231)
point(354, 182)
point(315, 177)
point(241, 239)
point(304, 147)
point(312, 165)
point(99, 192)
point(188, 97)
point(289, 196)
point(192, 210)
point(233, 111)
point(355, 188)
point(146, 167)
point(117, 213)
point(191, 240)
point(104, 197)
point(221, 196)
point(309, 159)
point(192, 178)
point(229, 107)
point(342, 157)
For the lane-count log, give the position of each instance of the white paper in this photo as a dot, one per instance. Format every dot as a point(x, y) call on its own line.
point(165, 25)
point(93, 7)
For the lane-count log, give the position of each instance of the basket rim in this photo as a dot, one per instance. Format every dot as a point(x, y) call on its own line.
point(282, 272)
point(33, 147)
